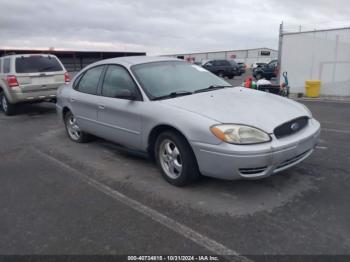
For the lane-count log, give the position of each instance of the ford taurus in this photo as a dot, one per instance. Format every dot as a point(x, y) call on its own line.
point(186, 118)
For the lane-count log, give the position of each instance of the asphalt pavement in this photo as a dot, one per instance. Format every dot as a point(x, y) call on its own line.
point(58, 197)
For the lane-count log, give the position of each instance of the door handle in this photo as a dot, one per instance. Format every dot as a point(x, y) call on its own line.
point(72, 100)
point(101, 107)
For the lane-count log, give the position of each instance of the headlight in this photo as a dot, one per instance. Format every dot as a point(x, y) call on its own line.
point(240, 134)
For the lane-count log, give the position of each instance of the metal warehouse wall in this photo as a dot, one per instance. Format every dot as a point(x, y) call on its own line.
point(248, 56)
point(318, 55)
point(74, 60)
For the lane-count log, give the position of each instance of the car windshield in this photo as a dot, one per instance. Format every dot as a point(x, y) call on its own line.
point(160, 79)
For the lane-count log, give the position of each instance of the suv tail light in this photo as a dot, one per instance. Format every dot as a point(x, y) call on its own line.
point(12, 81)
point(66, 77)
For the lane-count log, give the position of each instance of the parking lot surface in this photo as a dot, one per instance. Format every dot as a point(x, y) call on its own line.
point(58, 197)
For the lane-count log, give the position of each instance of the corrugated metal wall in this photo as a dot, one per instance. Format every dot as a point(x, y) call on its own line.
point(247, 56)
point(318, 55)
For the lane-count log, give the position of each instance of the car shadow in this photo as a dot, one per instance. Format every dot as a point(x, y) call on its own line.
point(36, 109)
point(272, 183)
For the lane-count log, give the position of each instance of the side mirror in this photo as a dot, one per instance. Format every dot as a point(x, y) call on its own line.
point(125, 94)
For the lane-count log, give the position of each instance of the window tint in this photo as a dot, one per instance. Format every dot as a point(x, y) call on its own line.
point(36, 64)
point(117, 79)
point(89, 81)
point(7, 65)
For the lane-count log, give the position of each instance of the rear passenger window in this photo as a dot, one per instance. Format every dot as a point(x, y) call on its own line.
point(89, 81)
point(116, 80)
point(37, 64)
point(7, 67)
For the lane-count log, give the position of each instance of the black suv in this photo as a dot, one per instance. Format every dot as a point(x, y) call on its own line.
point(267, 71)
point(222, 68)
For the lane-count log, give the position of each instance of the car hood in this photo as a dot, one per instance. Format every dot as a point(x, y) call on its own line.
point(242, 106)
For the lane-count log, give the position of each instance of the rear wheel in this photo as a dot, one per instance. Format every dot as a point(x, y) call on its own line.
point(176, 159)
point(259, 76)
point(8, 108)
point(221, 74)
point(73, 130)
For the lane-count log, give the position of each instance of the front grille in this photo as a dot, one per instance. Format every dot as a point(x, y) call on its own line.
point(291, 127)
point(292, 160)
point(252, 171)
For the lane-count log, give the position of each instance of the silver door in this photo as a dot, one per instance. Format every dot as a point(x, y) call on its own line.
point(84, 99)
point(120, 107)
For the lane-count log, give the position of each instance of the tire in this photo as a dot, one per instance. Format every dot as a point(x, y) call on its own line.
point(8, 108)
point(231, 76)
point(73, 130)
point(259, 76)
point(221, 74)
point(175, 159)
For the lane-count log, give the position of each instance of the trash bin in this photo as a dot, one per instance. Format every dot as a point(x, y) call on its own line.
point(312, 88)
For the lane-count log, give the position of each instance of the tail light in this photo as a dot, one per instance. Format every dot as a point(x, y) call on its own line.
point(66, 77)
point(12, 81)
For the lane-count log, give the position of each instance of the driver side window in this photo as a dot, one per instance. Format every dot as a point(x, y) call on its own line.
point(116, 80)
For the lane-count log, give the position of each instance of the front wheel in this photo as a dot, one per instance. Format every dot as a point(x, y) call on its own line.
point(176, 159)
point(8, 108)
point(73, 130)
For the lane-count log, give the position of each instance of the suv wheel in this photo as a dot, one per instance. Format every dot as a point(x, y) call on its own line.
point(6, 106)
point(73, 130)
point(176, 159)
point(221, 74)
point(259, 76)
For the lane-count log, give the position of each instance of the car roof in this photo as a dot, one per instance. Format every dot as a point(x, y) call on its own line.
point(26, 55)
point(129, 61)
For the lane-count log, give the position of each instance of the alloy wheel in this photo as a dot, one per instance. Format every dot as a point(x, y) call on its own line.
point(4, 103)
point(73, 129)
point(170, 159)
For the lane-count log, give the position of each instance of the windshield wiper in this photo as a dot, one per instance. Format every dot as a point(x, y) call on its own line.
point(173, 95)
point(210, 88)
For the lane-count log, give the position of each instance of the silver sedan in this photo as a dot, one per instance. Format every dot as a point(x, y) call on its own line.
point(187, 119)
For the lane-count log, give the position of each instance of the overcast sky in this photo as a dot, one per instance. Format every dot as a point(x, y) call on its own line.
point(158, 26)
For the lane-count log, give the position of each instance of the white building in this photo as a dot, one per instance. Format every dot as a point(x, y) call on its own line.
point(248, 56)
point(317, 55)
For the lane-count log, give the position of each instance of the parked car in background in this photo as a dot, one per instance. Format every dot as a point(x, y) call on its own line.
point(29, 78)
point(222, 68)
point(242, 67)
point(186, 118)
point(258, 64)
point(235, 64)
point(267, 71)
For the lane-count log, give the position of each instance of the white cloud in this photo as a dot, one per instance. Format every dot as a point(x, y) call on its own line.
point(156, 26)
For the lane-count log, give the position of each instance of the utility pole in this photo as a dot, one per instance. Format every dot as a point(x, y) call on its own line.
point(280, 43)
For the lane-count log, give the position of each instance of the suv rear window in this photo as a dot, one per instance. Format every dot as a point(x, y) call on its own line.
point(37, 64)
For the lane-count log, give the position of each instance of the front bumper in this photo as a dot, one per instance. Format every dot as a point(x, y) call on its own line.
point(232, 162)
